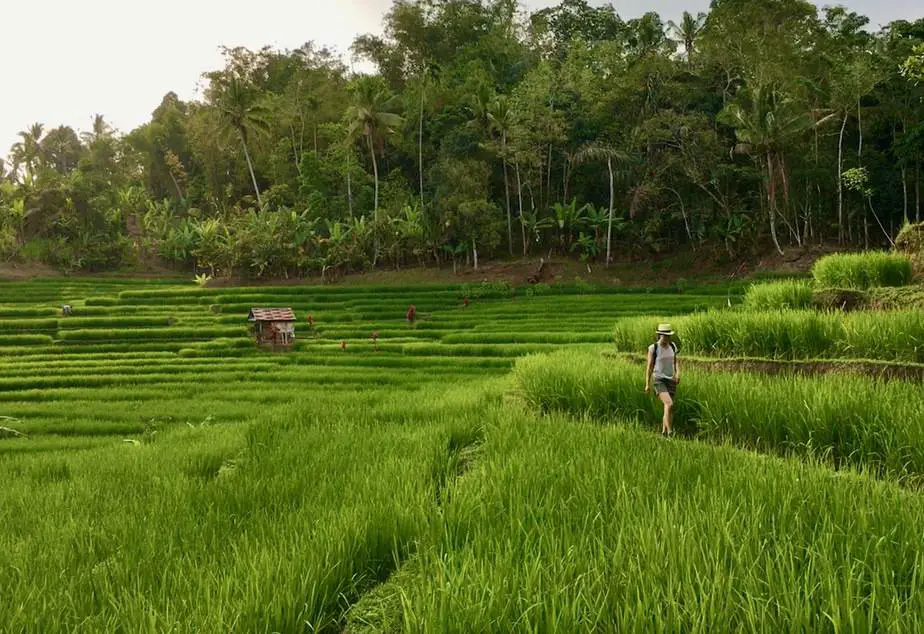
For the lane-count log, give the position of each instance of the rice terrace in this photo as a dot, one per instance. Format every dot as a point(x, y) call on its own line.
point(462, 317)
point(488, 466)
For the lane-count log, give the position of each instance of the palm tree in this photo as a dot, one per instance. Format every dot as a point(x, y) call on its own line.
point(764, 120)
point(100, 130)
point(500, 121)
point(371, 116)
point(28, 152)
point(687, 32)
point(611, 155)
point(240, 113)
point(481, 100)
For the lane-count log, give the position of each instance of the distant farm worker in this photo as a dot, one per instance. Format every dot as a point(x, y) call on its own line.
point(411, 314)
point(664, 367)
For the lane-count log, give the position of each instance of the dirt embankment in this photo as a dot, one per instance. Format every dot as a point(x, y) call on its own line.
point(11, 271)
point(681, 266)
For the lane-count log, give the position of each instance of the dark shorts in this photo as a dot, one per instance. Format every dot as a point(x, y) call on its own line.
point(665, 385)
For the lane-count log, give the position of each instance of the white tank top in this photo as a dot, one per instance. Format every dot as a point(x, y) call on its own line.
point(664, 364)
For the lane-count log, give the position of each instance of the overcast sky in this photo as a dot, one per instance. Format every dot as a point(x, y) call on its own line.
point(66, 60)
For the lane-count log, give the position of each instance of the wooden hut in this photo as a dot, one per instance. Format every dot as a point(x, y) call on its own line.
point(273, 326)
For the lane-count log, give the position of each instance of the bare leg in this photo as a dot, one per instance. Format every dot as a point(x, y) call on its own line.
point(668, 410)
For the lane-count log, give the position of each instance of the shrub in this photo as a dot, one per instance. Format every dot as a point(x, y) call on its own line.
point(487, 290)
point(907, 297)
point(839, 298)
point(910, 241)
point(863, 270)
point(779, 295)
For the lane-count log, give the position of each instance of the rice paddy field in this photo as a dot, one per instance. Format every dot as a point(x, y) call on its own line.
point(488, 468)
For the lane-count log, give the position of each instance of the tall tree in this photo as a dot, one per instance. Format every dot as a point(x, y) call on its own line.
point(765, 120)
point(241, 113)
point(687, 32)
point(28, 152)
point(612, 156)
point(501, 121)
point(62, 149)
point(371, 115)
point(99, 130)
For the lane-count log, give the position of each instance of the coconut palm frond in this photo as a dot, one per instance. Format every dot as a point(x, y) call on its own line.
point(597, 152)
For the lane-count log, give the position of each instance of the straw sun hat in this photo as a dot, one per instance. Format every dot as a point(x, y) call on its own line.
point(665, 329)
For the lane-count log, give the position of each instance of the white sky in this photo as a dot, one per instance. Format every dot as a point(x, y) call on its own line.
point(64, 60)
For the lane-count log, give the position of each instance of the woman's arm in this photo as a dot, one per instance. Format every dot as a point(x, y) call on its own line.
point(676, 369)
point(649, 369)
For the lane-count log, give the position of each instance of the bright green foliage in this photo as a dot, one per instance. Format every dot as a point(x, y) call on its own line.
point(161, 474)
point(863, 270)
point(790, 334)
point(847, 420)
point(24, 340)
point(481, 129)
point(910, 241)
point(779, 295)
point(567, 526)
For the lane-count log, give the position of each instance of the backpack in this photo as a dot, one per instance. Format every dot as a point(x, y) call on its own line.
point(657, 349)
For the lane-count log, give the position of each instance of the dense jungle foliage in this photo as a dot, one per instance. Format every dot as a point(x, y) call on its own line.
point(482, 131)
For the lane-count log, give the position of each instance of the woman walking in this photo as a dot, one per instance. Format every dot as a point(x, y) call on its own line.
point(665, 369)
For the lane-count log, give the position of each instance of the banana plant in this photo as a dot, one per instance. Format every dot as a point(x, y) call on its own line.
point(588, 246)
point(455, 251)
point(568, 218)
point(212, 240)
point(535, 226)
point(304, 228)
point(596, 220)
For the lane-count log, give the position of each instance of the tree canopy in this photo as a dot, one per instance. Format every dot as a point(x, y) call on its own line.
point(487, 132)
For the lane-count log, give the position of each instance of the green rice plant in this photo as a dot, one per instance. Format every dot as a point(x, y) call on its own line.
point(863, 270)
point(318, 545)
point(25, 325)
point(520, 337)
point(149, 334)
point(25, 340)
point(849, 420)
point(102, 301)
point(887, 336)
point(134, 321)
point(352, 332)
point(188, 291)
point(27, 311)
point(779, 295)
point(908, 297)
point(122, 368)
point(342, 475)
point(151, 301)
point(565, 526)
point(96, 347)
point(111, 311)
